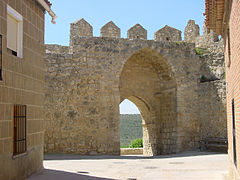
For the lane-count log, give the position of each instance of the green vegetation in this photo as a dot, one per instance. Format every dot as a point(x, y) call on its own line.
point(130, 128)
point(124, 146)
point(178, 42)
point(137, 143)
point(201, 51)
point(203, 78)
point(224, 75)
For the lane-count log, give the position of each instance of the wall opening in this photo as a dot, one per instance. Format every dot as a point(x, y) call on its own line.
point(148, 81)
point(131, 133)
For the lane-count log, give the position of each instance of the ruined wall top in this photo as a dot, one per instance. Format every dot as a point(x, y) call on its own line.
point(137, 32)
point(210, 40)
point(110, 30)
point(191, 31)
point(168, 33)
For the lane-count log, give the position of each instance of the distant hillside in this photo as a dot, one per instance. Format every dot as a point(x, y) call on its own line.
point(130, 128)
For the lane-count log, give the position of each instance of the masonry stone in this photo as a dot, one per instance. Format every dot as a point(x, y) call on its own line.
point(179, 92)
point(80, 28)
point(137, 32)
point(168, 33)
point(191, 31)
point(209, 39)
point(110, 30)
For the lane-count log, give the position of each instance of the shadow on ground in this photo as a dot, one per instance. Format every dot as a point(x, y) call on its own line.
point(82, 157)
point(49, 174)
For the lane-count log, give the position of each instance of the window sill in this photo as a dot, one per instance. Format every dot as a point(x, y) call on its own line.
point(10, 52)
point(20, 155)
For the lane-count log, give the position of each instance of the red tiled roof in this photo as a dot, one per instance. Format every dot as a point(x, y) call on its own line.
point(214, 11)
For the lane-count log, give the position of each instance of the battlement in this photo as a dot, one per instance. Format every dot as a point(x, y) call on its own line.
point(82, 28)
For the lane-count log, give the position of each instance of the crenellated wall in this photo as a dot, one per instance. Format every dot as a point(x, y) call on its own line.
point(82, 28)
point(85, 85)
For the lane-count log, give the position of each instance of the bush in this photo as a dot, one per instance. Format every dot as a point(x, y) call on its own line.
point(137, 143)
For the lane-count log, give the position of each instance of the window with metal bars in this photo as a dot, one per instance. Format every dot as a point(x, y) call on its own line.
point(0, 57)
point(19, 129)
point(234, 134)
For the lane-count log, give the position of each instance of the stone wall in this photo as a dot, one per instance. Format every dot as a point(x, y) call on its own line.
point(131, 151)
point(85, 87)
point(212, 95)
point(212, 86)
point(83, 96)
point(191, 31)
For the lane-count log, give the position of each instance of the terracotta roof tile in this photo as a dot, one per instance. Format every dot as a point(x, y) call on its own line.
point(214, 12)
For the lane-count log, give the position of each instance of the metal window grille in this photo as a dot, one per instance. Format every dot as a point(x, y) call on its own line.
point(0, 57)
point(19, 130)
point(234, 134)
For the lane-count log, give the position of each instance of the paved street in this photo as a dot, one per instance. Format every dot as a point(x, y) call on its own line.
point(185, 166)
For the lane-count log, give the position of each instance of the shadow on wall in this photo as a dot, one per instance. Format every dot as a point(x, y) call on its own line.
point(48, 174)
point(212, 96)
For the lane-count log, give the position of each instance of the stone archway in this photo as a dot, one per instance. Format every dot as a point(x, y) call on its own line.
point(84, 90)
point(148, 81)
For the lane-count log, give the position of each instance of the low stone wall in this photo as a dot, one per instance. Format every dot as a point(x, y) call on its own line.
point(131, 151)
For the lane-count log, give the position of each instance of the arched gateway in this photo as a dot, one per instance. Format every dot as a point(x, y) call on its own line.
point(86, 82)
point(148, 81)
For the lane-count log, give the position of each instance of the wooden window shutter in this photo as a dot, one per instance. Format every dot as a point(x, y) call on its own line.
point(12, 33)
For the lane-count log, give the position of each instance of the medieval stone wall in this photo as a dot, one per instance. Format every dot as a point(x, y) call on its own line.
point(85, 87)
point(212, 95)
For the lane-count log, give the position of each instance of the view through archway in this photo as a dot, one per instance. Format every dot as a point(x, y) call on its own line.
point(131, 132)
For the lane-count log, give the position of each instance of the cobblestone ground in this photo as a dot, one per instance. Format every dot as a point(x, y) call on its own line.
point(188, 165)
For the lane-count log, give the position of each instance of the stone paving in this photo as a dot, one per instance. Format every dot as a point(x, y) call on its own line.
point(188, 165)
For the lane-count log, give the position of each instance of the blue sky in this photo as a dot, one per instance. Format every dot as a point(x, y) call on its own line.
point(151, 14)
